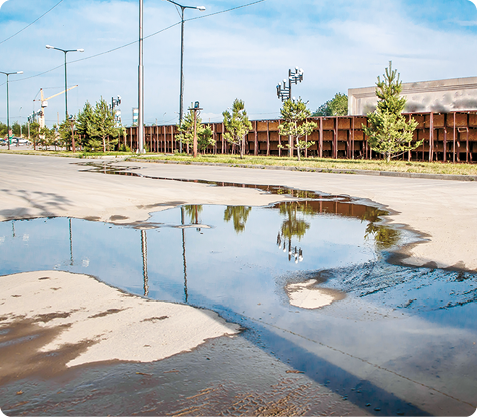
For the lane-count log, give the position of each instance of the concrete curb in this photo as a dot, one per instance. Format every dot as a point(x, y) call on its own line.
point(321, 170)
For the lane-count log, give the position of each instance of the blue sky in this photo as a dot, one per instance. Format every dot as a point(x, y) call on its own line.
point(239, 54)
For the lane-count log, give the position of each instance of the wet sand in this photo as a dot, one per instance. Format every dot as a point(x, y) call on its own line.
point(103, 322)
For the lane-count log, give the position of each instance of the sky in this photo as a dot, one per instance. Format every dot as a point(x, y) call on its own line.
point(243, 53)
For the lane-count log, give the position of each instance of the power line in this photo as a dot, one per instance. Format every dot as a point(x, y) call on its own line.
point(26, 27)
point(225, 11)
point(133, 42)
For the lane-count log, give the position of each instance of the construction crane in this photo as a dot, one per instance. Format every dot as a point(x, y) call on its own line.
point(44, 104)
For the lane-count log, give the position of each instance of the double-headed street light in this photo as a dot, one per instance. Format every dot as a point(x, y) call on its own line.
point(66, 84)
point(8, 109)
point(181, 96)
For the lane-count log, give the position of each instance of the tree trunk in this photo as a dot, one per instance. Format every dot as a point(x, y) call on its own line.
point(242, 146)
point(104, 144)
point(298, 150)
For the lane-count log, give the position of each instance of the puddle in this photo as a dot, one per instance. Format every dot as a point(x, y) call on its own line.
point(307, 279)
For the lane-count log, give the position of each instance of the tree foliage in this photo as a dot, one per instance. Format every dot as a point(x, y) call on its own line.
point(239, 215)
point(46, 136)
point(292, 226)
point(388, 131)
point(104, 126)
point(294, 115)
point(337, 106)
point(204, 133)
point(237, 125)
point(34, 133)
point(97, 127)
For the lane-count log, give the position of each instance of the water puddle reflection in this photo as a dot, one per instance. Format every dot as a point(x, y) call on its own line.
point(308, 279)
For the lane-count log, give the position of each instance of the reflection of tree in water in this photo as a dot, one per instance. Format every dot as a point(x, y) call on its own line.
point(384, 236)
point(239, 214)
point(292, 227)
point(193, 212)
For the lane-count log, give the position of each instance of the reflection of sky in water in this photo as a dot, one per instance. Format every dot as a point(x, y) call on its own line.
point(219, 261)
point(415, 322)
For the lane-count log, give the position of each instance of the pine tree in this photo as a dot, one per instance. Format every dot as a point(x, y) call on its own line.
point(103, 126)
point(204, 133)
point(294, 115)
point(388, 131)
point(237, 125)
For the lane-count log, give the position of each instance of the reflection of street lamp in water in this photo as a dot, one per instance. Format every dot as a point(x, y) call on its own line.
point(186, 295)
point(295, 253)
point(144, 261)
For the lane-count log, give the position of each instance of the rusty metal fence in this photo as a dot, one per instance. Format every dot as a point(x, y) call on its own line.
point(448, 137)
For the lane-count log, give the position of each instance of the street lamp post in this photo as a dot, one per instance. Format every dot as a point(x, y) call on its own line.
point(140, 104)
point(66, 84)
point(181, 95)
point(284, 93)
point(8, 109)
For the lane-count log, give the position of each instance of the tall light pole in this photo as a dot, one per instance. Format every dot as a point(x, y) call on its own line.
point(181, 95)
point(8, 109)
point(66, 84)
point(140, 105)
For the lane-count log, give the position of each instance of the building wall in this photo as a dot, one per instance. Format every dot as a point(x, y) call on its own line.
point(456, 94)
point(448, 137)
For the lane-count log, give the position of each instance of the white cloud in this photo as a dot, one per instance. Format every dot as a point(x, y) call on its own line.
point(233, 55)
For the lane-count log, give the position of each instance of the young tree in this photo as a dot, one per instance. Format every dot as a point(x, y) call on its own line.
point(237, 125)
point(46, 136)
point(65, 133)
point(337, 106)
point(103, 125)
point(34, 133)
point(204, 133)
point(84, 128)
point(388, 131)
point(294, 115)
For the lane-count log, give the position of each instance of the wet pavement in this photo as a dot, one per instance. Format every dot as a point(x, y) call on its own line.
point(399, 341)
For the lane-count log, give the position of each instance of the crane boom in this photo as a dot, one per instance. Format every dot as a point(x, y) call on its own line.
point(46, 99)
point(44, 103)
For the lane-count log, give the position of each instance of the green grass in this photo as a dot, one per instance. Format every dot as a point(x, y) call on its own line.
point(66, 154)
point(343, 165)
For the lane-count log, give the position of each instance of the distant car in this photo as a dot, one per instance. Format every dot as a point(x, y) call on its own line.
point(20, 141)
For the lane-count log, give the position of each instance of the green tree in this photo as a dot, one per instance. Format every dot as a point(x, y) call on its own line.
point(35, 133)
point(204, 133)
point(46, 136)
point(388, 131)
point(239, 214)
point(84, 120)
point(103, 126)
point(294, 115)
point(16, 129)
point(66, 135)
point(237, 125)
point(337, 106)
